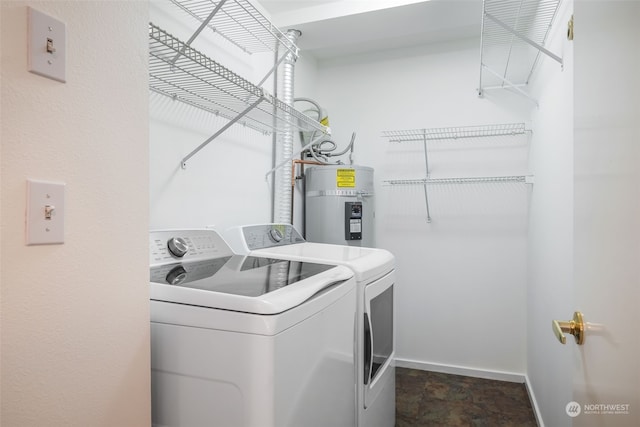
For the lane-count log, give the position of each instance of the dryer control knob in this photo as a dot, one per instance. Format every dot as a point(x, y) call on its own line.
point(178, 246)
point(276, 235)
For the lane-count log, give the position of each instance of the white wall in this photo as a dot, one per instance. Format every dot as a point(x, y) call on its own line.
point(550, 238)
point(224, 184)
point(75, 317)
point(461, 279)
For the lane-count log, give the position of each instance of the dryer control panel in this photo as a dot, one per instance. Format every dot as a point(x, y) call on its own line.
point(270, 235)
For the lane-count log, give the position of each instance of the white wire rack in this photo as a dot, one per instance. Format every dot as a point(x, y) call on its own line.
point(454, 133)
point(460, 132)
point(238, 22)
point(241, 24)
point(526, 179)
point(513, 37)
point(197, 80)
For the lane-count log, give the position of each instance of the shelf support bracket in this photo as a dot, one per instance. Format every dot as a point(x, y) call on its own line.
point(426, 164)
point(199, 30)
point(220, 131)
point(524, 38)
point(510, 84)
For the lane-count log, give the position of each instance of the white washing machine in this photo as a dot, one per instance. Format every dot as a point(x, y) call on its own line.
point(247, 340)
point(374, 271)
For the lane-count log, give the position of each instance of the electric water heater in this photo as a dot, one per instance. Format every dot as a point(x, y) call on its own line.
point(339, 205)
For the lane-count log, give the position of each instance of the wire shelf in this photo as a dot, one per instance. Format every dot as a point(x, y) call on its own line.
point(460, 132)
point(238, 22)
point(454, 133)
point(514, 34)
point(201, 82)
point(460, 180)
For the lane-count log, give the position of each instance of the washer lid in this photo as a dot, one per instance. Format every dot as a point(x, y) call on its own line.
point(248, 284)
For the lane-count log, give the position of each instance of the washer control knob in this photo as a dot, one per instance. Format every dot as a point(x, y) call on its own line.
point(178, 246)
point(176, 275)
point(276, 235)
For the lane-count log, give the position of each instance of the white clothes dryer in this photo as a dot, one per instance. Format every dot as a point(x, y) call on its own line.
point(374, 271)
point(248, 341)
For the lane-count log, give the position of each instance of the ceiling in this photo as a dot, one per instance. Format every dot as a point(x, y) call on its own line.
point(338, 28)
point(276, 7)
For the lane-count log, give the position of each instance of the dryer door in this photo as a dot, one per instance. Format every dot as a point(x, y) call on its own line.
point(379, 341)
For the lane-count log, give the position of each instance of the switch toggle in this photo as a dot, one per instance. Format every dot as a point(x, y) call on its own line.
point(45, 212)
point(48, 211)
point(50, 47)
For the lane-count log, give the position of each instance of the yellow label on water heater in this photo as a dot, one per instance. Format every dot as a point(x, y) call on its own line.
point(346, 178)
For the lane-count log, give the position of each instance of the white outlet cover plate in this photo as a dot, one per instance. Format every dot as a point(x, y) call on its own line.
point(40, 28)
point(39, 230)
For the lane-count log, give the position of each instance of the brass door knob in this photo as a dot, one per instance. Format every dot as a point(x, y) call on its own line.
point(574, 327)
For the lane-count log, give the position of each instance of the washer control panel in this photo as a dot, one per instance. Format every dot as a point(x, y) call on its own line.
point(171, 246)
point(178, 246)
point(270, 235)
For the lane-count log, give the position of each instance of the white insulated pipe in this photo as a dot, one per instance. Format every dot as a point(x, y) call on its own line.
point(284, 146)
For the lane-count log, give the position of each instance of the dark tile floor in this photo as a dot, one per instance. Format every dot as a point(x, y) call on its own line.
point(433, 399)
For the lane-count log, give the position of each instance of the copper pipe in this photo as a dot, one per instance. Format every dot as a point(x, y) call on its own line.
point(302, 162)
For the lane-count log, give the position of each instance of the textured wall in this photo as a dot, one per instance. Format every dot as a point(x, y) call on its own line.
point(75, 317)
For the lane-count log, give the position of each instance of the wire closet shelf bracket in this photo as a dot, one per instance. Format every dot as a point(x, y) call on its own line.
point(513, 38)
point(182, 73)
point(454, 133)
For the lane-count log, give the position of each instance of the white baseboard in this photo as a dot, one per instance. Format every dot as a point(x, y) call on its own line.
point(477, 373)
point(461, 370)
point(534, 402)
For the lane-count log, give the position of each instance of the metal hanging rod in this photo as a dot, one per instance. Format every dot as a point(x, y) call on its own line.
point(513, 37)
point(453, 133)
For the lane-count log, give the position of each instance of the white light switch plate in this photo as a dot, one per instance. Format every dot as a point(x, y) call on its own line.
point(45, 212)
point(47, 45)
